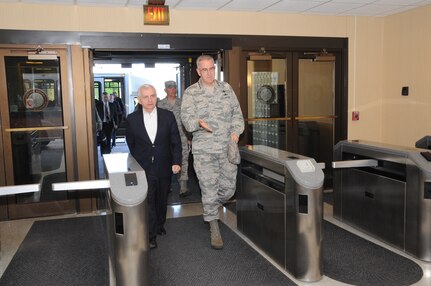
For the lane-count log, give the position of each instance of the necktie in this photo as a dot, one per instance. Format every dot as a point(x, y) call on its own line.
point(106, 113)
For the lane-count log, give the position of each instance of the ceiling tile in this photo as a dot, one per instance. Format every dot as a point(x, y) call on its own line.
point(396, 2)
point(134, 3)
point(372, 10)
point(249, 5)
point(333, 8)
point(324, 7)
point(102, 3)
point(293, 6)
point(354, 1)
point(201, 4)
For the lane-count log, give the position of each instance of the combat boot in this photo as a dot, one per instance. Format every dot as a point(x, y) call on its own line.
point(216, 240)
point(184, 190)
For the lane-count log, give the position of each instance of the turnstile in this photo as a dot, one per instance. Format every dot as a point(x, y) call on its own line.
point(385, 190)
point(128, 219)
point(424, 142)
point(280, 208)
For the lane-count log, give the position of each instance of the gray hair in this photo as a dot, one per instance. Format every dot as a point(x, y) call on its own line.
point(203, 58)
point(145, 87)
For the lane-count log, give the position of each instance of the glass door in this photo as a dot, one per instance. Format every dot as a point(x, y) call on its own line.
point(291, 101)
point(35, 129)
point(314, 114)
point(266, 88)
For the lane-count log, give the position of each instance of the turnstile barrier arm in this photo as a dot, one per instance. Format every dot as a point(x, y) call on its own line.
point(354, 163)
point(19, 189)
point(81, 185)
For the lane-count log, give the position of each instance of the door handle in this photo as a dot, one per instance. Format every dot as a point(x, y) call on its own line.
point(26, 129)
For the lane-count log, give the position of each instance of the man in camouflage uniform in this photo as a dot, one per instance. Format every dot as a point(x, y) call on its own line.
point(172, 103)
point(210, 111)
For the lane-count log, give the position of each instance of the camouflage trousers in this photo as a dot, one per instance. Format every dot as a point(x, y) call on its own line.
point(184, 175)
point(217, 180)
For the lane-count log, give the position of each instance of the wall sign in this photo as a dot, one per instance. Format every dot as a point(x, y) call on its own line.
point(156, 15)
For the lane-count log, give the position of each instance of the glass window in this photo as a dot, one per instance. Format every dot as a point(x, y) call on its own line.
point(34, 92)
point(113, 85)
point(35, 101)
point(97, 90)
point(266, 80)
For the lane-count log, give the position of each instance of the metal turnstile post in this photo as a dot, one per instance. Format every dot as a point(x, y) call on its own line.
point(128, 220)
point(384, 190)
point(280, 208)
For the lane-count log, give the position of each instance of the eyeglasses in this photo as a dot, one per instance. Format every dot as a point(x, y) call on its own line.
point(211, 69)
point(147, 97)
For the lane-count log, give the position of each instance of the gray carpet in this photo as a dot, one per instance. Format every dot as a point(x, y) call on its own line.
point(354, 260)
point(74, 252)
point(61, 252)
point(188, 259)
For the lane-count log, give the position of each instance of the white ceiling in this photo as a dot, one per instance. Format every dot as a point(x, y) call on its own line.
point(320, 7)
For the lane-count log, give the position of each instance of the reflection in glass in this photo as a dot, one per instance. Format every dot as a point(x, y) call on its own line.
point(316, 95)
point(38, 157)
point(316, 139)
point(34, 100)
point(316, 88)
point(34, 92)
point(266, 81)
point(270, 133)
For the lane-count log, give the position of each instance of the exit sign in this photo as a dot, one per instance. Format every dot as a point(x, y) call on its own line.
point(156, 15)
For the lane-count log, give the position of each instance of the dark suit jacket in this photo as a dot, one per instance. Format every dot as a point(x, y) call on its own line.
point(156, 159)
point(112, 111)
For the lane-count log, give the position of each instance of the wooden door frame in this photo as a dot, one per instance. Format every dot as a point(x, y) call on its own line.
point(7, 177)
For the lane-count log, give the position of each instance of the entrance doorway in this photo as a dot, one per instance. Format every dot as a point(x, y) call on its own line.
point(36, 131)
point(150, 67)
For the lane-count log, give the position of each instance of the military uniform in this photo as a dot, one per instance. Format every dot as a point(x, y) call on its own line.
point(221, 111)
point(176, 110)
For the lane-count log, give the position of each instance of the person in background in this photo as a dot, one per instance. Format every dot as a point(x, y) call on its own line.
point(118, 117)
point(154, 141)
point(172, 103)
point(122, 108)
point(107, 112)
point(210, 111)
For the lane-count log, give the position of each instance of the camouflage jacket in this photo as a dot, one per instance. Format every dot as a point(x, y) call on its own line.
point(220, 110)
point(176, 110)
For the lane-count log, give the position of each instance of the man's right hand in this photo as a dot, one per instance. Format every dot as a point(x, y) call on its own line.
point(204, 125)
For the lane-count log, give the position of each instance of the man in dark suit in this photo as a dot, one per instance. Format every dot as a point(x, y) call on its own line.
point(154, 141)
point(108, 115)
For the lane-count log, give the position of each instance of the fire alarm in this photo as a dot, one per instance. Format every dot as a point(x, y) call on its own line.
point(355, 115)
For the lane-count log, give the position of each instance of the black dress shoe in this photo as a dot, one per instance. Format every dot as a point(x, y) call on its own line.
point(153, 244)
point(162, 231)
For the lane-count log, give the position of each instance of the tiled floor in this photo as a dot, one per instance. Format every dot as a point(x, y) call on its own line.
point(12, 234)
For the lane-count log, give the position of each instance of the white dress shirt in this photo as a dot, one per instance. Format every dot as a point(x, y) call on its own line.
point(150, 122)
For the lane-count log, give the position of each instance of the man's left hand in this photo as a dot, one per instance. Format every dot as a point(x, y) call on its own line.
point(176, 169)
